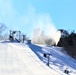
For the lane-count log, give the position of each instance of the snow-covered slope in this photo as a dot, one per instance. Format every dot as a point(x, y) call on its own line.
point(18, 59)
point(27, 59)
point(58, 61)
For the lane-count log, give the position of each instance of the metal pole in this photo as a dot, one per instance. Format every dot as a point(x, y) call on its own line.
point(23, 38)
point(19, 35)
point(48, 61)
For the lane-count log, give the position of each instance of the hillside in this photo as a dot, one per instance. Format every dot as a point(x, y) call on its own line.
point(27, 59)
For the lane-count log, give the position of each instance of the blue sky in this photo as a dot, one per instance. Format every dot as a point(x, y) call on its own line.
point(27, 15)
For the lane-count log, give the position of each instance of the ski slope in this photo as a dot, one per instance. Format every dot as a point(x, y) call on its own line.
point(58, 61)
point(27, 59)
point(19, 59)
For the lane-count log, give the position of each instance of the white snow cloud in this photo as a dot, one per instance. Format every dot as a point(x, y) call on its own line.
point(35, 20)
point(27, 22)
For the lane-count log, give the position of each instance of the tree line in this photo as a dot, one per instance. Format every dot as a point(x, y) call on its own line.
point(68, 42)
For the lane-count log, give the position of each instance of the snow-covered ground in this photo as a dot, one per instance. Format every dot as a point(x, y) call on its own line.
point(58, 60)
point(18, 59)
point(28, 59)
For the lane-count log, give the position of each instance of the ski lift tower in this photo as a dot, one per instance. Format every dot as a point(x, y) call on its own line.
point(12, 36)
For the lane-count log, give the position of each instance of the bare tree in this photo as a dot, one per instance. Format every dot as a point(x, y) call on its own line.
point(2, 28)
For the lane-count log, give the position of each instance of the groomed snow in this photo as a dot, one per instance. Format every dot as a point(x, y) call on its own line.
point(58, 60)
point(19, 59)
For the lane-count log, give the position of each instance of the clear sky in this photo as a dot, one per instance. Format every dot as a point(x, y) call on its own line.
point(26, 15)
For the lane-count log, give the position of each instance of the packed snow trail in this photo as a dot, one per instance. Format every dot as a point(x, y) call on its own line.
point(19, 59)
point(58, 61)
point(62, 61)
